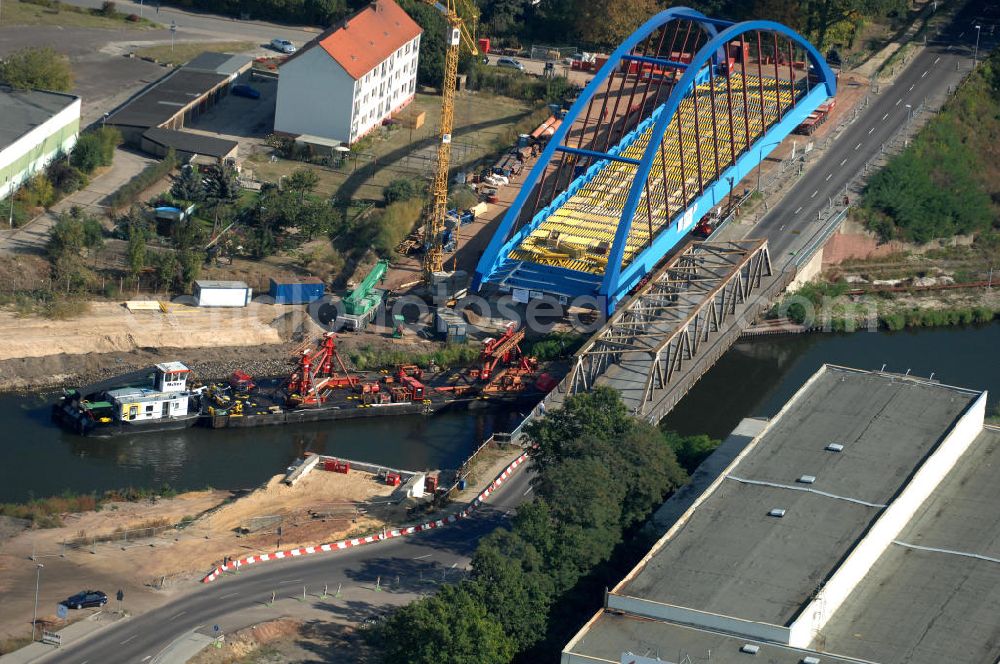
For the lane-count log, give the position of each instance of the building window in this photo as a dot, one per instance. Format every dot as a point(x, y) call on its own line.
point(149, 408)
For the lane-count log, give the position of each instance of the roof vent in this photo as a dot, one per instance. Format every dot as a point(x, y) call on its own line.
point(810, 660)
point(777, 512)
point(750, 648)
point(807, 479)
point(834, 447)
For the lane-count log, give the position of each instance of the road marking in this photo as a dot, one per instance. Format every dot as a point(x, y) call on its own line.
point(871, 130)
point(960, 36)
point(797, 211)
point(128, 639)
point(829, 176)
point(177, 615)
point(147, 657)
point(527, 491)
point(454, 565)
point(899, 100)
point(814, 194)
point(911, 89)
point(292, 581)
point(937, 60)
point(426, 555)
point(924, 74)
point(857, 146)
point(229, 595)
point(885, 116)
point(843, 162)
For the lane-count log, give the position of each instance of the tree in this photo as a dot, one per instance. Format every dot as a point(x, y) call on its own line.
point(37, 68)
point(222, 183)
point(451, 626)
point(398, 190)
point(136, 254)
point(74, 233)
point(95, 148)
point(303, 181)
point(188, 185)
point(690, 450)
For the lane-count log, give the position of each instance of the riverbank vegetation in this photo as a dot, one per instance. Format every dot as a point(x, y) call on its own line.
point(948, 181)
point(48, 512)
point(598, 473)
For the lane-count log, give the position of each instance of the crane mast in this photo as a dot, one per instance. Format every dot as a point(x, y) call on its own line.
point(457, 33)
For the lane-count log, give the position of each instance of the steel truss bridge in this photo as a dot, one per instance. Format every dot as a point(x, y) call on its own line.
point(661, 340)
point(682, 110)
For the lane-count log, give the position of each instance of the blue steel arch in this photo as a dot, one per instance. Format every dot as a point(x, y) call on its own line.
point(613, 274)
point(611, 286)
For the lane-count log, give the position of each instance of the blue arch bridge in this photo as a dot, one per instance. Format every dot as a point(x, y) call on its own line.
point(683, 109)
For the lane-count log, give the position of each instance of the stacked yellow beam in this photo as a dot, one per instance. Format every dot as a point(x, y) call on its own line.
point(579, 234)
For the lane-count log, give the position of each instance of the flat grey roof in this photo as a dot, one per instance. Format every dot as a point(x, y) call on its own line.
point(166, 99)
point(924, 607)
point(23, 110)
point(208, 283)
point(612, 634)
point(733, 559)
point(220, 63)
point(186, 141)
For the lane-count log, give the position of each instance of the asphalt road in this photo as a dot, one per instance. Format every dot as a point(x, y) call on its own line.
point(946, 59)
point(210, 26)
point(435, 554)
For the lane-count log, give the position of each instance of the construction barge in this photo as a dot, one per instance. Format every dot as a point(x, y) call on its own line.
point(320, 388)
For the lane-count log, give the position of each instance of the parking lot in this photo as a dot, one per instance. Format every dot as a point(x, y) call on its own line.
point(246, 121)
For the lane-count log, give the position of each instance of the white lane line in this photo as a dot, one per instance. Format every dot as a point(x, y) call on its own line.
point(454, 565)
point(843, 162)
point(798, 210)
point(229, 595)
point(177, 615)
point(898, 100)
point(426, 555)
point(292, 581)
point(937, 60)
point(857, 146)
point(924, 74)
point(911, 89)
point(885, 116)
point(147, 658)
point(527, 491)
point(871, 130)
point(814, 194)
point(829, 176)
point(961, 35)
point(128, 639)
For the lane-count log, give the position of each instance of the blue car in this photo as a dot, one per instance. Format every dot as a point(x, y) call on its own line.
point(245, 91)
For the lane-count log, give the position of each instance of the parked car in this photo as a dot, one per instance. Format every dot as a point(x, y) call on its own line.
point(510, 63)
point(282, 45)
point(86, 599)
point(243, 90)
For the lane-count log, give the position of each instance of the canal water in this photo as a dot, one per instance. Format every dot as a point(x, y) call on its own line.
point(756, 378)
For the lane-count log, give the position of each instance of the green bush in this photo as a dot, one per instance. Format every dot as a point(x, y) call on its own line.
point(400, 190)
point(129, 192)
point(395, 223)
point(95, 148)
point(512, 83)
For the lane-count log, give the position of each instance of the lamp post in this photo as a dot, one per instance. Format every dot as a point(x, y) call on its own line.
point(10, 215)
point(34, 616)
point(760, 159)
point(975, 52)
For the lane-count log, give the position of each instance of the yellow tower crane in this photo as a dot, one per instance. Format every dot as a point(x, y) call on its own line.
point(458, 33)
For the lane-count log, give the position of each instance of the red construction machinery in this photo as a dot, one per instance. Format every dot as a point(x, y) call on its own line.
point(317, 374)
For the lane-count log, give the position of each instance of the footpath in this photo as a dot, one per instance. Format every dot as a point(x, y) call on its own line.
point(34, 235)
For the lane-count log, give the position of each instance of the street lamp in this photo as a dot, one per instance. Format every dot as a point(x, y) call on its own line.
point(34, 616)
point(975, 53)
point(760, 159)
point(10, 215)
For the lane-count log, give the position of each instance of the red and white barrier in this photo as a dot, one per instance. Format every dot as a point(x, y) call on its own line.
point(234, 565)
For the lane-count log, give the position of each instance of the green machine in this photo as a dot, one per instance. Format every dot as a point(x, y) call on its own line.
point(364, 298)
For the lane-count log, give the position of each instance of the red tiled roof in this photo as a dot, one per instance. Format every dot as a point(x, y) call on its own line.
point(369, 37)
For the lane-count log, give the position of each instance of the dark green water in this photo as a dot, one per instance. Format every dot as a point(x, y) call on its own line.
point(38, 459)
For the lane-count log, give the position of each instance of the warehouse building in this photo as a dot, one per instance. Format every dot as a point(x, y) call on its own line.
point(35, 127)
point(176, 101)
point(351, 78)
point(860, 525)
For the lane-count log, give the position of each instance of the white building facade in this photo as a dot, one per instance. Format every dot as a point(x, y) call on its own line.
point(35, 128)
point(347, 81)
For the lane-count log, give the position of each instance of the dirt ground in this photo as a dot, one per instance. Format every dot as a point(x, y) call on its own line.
point(149, 567)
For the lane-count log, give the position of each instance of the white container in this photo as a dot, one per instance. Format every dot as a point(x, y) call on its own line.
point(222, 293)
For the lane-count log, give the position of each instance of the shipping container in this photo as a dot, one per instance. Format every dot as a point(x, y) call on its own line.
point(222, 293)
point(299, 290)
